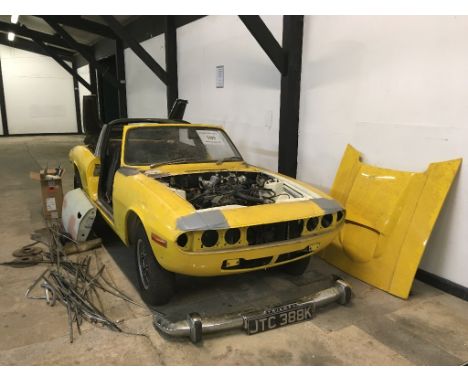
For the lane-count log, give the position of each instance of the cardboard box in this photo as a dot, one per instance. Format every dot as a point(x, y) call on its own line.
point(51, 190)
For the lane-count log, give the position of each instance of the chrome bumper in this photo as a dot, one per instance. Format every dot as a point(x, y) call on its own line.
point(194, 326)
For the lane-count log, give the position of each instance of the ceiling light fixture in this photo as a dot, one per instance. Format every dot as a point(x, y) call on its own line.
point(11, 36)
point(14, 19)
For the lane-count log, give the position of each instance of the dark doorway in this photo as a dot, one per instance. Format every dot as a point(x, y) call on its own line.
point(109, 97)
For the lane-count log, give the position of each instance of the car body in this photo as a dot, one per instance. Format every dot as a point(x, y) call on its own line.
point(205, 211)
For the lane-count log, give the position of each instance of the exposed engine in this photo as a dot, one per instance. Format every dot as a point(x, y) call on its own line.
point(207, 190)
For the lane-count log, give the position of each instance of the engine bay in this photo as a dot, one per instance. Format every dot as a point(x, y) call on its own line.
point(239, 188)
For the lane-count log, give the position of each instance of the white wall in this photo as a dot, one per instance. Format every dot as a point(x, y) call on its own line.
point(249, 101)
point(396, 88)
point(248, 105)
point(146, 94)
point(39, 93)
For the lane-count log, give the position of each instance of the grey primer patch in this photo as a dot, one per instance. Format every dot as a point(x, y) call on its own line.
point(128, 171)
point(202, 220)
point(328, 205)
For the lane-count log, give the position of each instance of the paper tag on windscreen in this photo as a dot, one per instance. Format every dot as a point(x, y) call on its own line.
point(210, 137)
point(50, 204)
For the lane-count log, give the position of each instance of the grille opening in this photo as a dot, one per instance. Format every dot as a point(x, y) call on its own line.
point(232, 235)
point(246, 264)
point(312, 223)
point(327, 220)
point(291, 255)
point(295, 228)
point(182, 240)
point(270, 233)
point(339, 215)
point(209, 238)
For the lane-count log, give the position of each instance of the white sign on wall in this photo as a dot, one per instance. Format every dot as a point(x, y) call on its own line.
point(220, 76)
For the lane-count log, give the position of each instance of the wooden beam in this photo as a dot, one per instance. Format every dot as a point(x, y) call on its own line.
point(70, 41)
point(29, 46)
point(267, 41)
point(293, 27)
point(94, 91)
point(120, 69)
point(80, 23)
point(133, 44)
point(170, 38)
point(3, 104)
point(76, 91)
point(142, 29)
point(21, 30)
point(62, 63)
point(92, 79)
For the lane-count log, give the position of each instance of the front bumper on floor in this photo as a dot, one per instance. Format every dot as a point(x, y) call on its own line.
point(195, 326)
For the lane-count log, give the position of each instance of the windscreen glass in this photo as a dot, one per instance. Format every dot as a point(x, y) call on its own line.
point(158, 145)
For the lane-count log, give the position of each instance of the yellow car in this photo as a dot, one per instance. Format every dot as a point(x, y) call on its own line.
point(182, 196)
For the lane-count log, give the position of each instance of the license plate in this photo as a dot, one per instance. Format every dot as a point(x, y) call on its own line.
point(277, 317)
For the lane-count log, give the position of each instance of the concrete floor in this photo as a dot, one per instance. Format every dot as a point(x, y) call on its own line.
point(431, 328)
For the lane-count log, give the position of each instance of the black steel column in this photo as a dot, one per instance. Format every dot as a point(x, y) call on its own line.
point(100, 97)
point(170, 38)
point(266, 40)
point(92, 79)
point(95, 90)
point(76, 89)
point(120, 69)
point(85, 52)
point(3, 104)
point(293, 27)
point(136, 47)
point(59, 60)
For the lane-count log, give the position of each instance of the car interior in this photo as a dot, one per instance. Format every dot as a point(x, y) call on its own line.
point(110, 163)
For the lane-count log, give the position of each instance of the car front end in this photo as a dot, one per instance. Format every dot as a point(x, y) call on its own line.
point(214, 252)
point(228, 231)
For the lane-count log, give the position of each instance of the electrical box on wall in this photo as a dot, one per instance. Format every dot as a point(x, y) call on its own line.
point(220, 76)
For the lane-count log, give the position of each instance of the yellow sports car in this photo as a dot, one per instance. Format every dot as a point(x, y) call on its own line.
point(182, 196)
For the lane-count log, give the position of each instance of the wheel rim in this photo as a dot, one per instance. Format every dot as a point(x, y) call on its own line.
point(143, 266)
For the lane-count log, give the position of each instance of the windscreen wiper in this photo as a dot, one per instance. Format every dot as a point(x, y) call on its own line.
point(173, 161)
point(229, 159)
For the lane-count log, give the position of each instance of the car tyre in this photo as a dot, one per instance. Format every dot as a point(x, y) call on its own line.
point(76, 179)
point(100, 227)
point(296, 268)
point(156, 284)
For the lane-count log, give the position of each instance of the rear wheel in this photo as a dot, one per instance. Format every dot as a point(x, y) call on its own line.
point(100, 227)
point(156, 284)
point(296, 268)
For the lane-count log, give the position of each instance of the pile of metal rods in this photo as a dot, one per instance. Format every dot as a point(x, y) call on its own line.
point(72, 284)
point(77, 289)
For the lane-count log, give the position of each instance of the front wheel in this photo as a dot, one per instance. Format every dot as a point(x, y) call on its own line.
point(156, 284)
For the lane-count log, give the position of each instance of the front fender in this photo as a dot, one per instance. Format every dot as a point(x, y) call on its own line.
point(85, 162)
